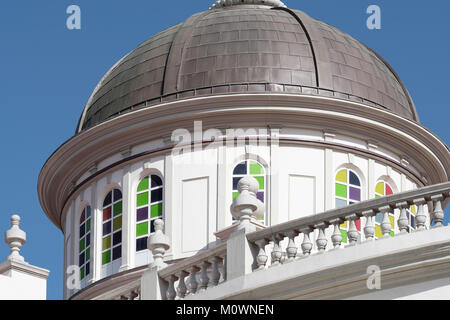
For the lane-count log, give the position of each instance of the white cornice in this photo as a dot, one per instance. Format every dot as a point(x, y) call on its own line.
point(24, 268)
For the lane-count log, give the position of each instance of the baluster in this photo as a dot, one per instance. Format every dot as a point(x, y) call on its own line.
point(352, 230)
point(369, 229)
point(204, 279)
point(306, 244)
point(171, 294)
point(403, 221)
point(215, 274)
point(261, 258)
point(336, 238)
point(386, 224)
point(291, 250)
point(421, 217)
point(224, 267)
point(321, 239)
point(276, 251)
point(192, 284)
point(438, 213)
point(182, 289)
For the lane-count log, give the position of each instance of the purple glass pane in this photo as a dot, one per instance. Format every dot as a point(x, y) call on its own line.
point(107, 228)
point(355, 194)
point(260, 196)
point(117, 195)
point(142, 214)
point(117, 252)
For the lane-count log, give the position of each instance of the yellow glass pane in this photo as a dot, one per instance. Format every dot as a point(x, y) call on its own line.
point(344, 225)
point(413, 209)
point(378, 232)
point(106, 243)
point(392, 221)
point(342, 176)
point(380, 188)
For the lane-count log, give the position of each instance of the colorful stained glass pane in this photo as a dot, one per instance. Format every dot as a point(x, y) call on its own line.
point(354, 180)
point(391, 233)
point(88, 211)
point(108, 199)
point(142, 229)
point(142, 214)
point(106, 243)
point(81, 259)
point(342, 176)
point(380, 188)
point(88, 239)
point(82, 230)
point(88, 254)
point(117, 195)
point(107, 214)
point(241, 169)
point(340, 203)
point(82, 244)
point(88, 225)
point(379, 218)
point(235, 194)
point(107, 228)
point(83, 216)
point(261, 182)
point(152, 226)
point(355, 194)
point(156, 210)
point(156, 181)
point(341, 191)
point(88, 268)
point(344, 225)
point(235, 182)
point(106, 257)
point(157, 195)
point(117, 238)
point(358, 224)
point(260, 196)
point(143, 185)
point(142, 199)
point(117, 252)
point(256, 168)
point(82, 273)
point(118, 208)
point(141, 244)
point(388, 190)
point(344, 236)
point(378, 232)
point(117, 224)
point(391, 218)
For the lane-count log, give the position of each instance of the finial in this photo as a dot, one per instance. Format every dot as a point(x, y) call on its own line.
point(246, 205)
point(158, 243)
point(228, 3)
point(15, 238)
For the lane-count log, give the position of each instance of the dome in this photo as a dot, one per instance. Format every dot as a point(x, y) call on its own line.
point(251, 46)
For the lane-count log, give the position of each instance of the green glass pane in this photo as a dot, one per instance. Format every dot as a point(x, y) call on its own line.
point(235, 194)
point(261, 182)
point(256, 168)
point(142, 199)
point(82, 244)
point(82, 273)
point(380, 188)
point(261, 219)
point(117, 224)
point(156, 210)
point(391, 234)
point(106, 257)
point(88, 254)
point(88, 225)
point(342, 176)
point(377, 196)
point(118, 208)
point(143, 185)
point(344, 236)
point(106, 243)
point(341, 190)
point(142, 229)
point(378, 232)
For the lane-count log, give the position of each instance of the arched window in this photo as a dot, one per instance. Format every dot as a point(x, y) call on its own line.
point(85, 243)
point(149, 207)
point(254, 169)
point(347, 192)
point(112, 227)
point(383, 189)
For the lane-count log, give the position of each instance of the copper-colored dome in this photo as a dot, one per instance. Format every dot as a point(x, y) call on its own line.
point(247, 48)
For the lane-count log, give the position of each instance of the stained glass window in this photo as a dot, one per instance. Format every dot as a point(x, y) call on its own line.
point(254, 169)
point(411, 214)
point(85, 243)
point(149, 204)
point(347, 192)
point(383, 189)
point(112, 227)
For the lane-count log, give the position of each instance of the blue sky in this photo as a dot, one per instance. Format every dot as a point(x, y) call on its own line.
point(48, 73)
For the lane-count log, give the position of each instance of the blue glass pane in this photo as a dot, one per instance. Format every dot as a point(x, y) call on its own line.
point(108, 199)
point(340, 203)
point(379, 218)
point(117, 238)
point(88, 240)
point(354, 180)
point(241, 168)
point(141, 244)
point(117, 195)
point(156, 195)
point(81, 261)
point(82, 230)
point(156, 181)
point(117, 252)
point(235, 183)
point(88, 212)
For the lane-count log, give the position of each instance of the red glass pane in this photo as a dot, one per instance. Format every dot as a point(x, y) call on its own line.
point(388, 190)
point(83, 216)
point(107, 213)
point(358, 224)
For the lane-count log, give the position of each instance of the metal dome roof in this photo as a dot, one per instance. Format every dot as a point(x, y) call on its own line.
point(247, 48)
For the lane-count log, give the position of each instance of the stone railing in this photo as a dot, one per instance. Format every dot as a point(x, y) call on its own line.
point(433, 197)
point(195, 274)
point(245, 249)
